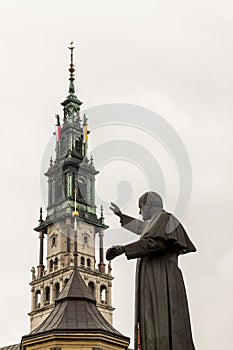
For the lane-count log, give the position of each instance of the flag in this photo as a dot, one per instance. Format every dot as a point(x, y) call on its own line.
point(85, 133)
point(58, 132)
point(85, 129)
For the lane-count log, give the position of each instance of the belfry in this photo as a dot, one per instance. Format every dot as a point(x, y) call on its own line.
point(71, 170)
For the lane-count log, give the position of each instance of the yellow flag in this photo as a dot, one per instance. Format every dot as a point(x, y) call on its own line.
point(85, 133)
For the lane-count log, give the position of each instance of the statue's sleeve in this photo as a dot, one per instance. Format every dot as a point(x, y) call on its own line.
point(131, 224)
point(164, 233)
point(144, 247)
point(170, 230)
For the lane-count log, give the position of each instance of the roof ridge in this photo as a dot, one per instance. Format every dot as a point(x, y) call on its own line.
point(75, 289)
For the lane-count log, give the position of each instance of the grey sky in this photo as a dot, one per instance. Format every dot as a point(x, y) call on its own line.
point(173, 57)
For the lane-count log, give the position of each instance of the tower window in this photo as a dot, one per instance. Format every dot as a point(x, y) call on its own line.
point(85, 239)
point(103, 294)
point(82, 261)
point(54, 241)
point(56, 263)
point(57, 289)
point(47, 295)
point(63, 145)
point(78, 145)
point(51, 266)
point(65, 184)
point(58, 189)
point(91, 286)
point(37, 299)
point(66, 281)
point(82, 189)
point(50, 194)
point(88, 262)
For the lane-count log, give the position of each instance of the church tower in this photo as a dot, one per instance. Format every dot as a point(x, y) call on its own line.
point(71, 184)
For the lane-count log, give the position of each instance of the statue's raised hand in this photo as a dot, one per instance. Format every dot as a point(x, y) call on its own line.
point(116, 210)
point(114, 251)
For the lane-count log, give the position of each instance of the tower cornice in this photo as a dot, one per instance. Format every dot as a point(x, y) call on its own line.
point(48, 222)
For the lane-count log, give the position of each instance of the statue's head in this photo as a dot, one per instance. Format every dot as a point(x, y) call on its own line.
point(150, 203)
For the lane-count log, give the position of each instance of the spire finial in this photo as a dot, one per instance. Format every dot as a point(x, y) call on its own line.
point(41, 216)
point(102, 214)
point(71, 70)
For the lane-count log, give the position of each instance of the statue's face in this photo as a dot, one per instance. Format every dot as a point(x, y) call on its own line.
point(147, 212)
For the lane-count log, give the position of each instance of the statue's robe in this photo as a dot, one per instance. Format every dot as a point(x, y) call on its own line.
point(161, 308)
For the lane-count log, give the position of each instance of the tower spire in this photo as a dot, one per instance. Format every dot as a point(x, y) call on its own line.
point(71, 103)
point(69, 232)
point(71, 70)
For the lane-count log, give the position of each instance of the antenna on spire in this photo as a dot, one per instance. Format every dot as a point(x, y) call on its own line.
point(71, 70)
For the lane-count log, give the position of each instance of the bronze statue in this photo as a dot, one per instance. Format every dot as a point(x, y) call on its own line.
point(161, 309)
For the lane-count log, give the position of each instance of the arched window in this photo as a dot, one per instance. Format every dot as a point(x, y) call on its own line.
point(78, 145)
point(65, 184)
point(91, 286)
point(47, 295)
point(58, 189)
point(88, 262)
point(82, 261)
point(56, 289)
point(51, 265)
point(53, 191)
point(50, 196)
point(103, 294)
point(82, 189)
point(63, 145)
point(56, 263)
point(37, 299)
point(66, 281)
point(85, 239)
point(53, 241)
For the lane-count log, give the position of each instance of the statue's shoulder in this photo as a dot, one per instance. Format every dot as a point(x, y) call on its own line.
point(166, 215)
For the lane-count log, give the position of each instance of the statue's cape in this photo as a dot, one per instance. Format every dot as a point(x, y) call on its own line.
point(167, 227)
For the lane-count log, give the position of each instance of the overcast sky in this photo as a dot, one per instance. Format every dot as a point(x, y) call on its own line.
point(174, 58)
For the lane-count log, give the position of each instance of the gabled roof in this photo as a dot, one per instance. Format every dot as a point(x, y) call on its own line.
point(75, 311)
